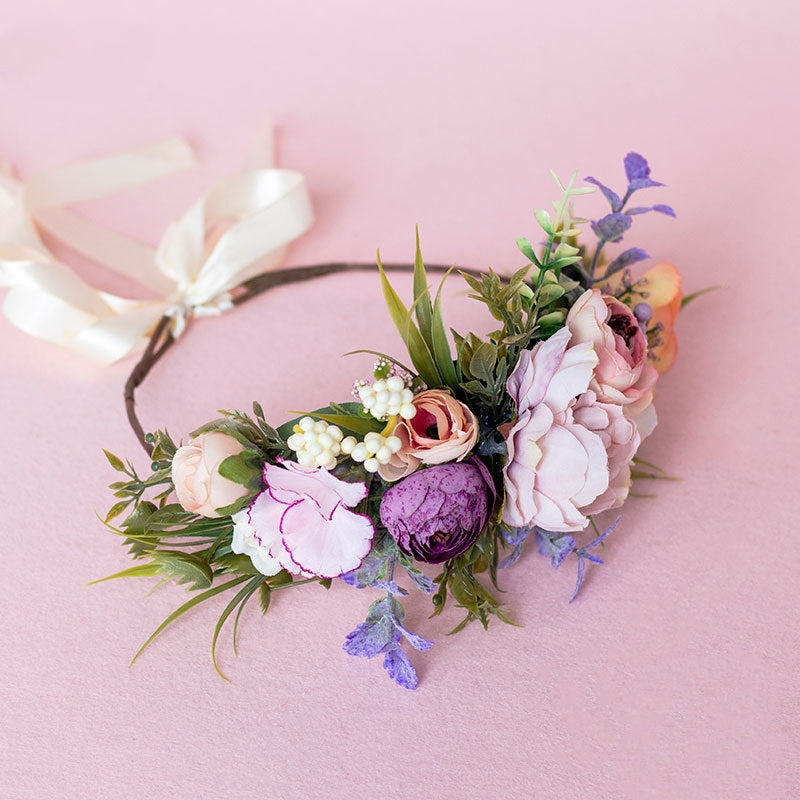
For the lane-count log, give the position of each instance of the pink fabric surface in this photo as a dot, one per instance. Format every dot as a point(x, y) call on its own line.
point(675, 673)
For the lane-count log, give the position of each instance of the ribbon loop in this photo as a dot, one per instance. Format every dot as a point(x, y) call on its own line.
point(235, 231)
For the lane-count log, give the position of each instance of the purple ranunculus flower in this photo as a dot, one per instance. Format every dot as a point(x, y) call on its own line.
point(437, 513)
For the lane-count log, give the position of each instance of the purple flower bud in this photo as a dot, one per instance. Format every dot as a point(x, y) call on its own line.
point(437, 513)
point(642, 312)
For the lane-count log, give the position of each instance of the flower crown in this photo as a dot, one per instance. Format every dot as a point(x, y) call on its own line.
point(456, 458)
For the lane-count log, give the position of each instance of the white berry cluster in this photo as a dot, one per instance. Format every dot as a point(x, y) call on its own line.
point(316, 443)
point(387, 397)
point(373, 451)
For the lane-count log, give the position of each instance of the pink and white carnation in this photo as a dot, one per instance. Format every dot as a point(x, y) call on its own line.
point(623, 374)
point(302, 523)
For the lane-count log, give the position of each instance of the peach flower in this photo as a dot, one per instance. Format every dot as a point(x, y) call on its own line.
point(443, 429)
point(195, 474)
point(660, 288)
point(623, 374)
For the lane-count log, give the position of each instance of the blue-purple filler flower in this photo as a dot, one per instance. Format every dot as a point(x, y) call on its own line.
point(437, 513)
point(555, 546)
point(382, 633)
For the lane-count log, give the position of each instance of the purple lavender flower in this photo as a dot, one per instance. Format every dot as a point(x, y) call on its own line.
point(437, 513)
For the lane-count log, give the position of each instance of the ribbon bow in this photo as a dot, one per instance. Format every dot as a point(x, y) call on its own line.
point(235, 231)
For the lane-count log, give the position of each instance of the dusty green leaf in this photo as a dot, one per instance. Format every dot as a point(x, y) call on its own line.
point(481, 365)
point(183, 567)
point(244, 468)
point(117, 509)
point(264, 597)
point(115, 462)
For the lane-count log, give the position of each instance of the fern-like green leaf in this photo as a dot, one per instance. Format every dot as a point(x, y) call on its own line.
point(183, 567)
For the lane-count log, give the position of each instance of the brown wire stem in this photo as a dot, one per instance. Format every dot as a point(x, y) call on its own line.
point(161, 339)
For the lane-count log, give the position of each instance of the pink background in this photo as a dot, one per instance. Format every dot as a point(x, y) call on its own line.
point(675, 673)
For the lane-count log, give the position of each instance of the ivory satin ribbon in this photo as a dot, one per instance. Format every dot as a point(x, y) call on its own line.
point(237, 230)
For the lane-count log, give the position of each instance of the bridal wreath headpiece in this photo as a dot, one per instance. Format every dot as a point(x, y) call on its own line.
point(456, 453)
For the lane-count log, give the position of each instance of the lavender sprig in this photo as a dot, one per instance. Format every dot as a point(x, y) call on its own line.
point(611, 227)
point(557, 546)
point(383, 632)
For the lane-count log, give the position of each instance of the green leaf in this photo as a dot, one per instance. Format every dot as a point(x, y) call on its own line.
point(689, 297)
point(566, 261)
point(236, 563)
point(526, 248)
point(441, 347)
point(138, 571)
point(390, 359)
point(549, 293)
point(421, 356)
point(264, 597)
point(136, 522)
point(282, 578)
point(244, 468)
point(116, 462)
point(351, 423)
point(184, 567)
point(481, 365)
point(242, 596)
point(422, 299)
point(117, 509)
point(543, 218)
point(554, 318)
point(179, 612)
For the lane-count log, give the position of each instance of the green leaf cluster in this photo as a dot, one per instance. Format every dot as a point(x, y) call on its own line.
point(251, 432)
point(422, 327)
point(459, 581)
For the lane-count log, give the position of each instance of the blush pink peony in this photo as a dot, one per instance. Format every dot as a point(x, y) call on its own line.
point(556, 466)
point(302, 523)
point(623, 374)
point(442, 430)
point(621, 439)
point(195, 474)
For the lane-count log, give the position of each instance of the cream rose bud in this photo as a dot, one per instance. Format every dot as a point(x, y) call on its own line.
point(195, 474)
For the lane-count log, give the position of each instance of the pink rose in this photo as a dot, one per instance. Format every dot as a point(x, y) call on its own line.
point(623, 374)
point(621, 439)
point(301, 522)
point(442, 430)
point(556, 467)
point(195, 474)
